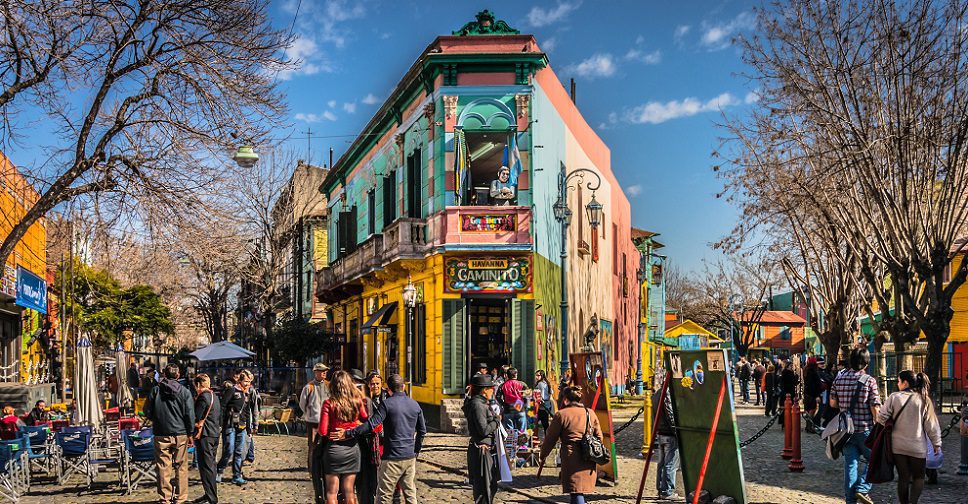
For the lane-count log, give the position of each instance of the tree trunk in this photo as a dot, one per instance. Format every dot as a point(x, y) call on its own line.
point(831, 346)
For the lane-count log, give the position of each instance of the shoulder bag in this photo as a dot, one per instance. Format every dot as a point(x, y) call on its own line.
point(592, 448)
point(881, 466)
point(199, 425)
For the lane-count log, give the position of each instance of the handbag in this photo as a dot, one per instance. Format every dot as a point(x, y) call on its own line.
point(881, 466)
point(592, 448)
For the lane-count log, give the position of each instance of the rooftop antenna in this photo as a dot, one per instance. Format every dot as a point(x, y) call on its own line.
point(309, 147)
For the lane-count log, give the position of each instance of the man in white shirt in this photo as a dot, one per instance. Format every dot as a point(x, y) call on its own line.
point(311, 402)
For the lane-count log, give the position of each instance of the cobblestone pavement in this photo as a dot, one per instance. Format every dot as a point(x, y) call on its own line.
point(279, 474)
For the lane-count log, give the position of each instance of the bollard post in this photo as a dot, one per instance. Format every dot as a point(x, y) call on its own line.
point(796, 464)
point(646, 422)
point(787, 452)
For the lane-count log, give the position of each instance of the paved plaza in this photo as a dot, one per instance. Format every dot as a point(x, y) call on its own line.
point(279, 474)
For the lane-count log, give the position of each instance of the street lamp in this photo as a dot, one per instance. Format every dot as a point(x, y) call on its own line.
point(410, 302)
point(563, 215)
point(246, 156)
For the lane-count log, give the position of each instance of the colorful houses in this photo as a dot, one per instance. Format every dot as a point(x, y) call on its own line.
point(23, 286)
point(778, 332)
point(440, 259)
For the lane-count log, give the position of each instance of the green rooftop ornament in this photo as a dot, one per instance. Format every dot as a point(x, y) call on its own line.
point(486, 25)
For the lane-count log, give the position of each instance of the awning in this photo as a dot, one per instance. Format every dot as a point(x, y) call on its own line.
point(381, 316)
point(223, 350)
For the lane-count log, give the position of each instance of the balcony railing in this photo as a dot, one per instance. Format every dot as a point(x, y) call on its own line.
point(487, 225)
point(367, 257)
point(406, 238)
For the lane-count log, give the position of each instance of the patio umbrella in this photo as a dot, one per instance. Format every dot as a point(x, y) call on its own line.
point(85, 386)
point(125, 401)
point(223, 350)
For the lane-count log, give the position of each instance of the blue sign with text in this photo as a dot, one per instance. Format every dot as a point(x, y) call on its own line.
point(31, 291)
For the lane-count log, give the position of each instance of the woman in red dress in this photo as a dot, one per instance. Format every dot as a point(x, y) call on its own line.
point(343, 410)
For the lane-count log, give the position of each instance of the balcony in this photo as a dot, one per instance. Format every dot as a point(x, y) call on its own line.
point(486, 225)
point(342, 276)
point(405, 238)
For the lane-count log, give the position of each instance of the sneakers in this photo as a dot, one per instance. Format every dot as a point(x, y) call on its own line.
point(863, 498)
point(218, 477)
point(241, 481)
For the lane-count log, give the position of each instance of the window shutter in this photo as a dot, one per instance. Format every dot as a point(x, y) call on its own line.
point(522, 338)
point(453, 346)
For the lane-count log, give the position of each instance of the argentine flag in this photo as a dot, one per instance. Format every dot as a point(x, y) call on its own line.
point(512, 159)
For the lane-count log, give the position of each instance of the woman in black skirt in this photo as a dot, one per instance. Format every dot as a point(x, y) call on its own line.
point(343, 410)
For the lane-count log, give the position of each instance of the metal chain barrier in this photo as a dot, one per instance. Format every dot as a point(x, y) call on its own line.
point(762, 431)
point(954, 421)
point(626, 424)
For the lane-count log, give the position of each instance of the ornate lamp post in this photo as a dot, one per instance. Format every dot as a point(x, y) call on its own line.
point(563, 215)
point(410, 302)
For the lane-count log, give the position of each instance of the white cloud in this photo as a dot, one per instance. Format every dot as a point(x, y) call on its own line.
point(718, 36)
point(325, 19)
point(539, 16)
point(549, 44)
point(370, 99)
point(305, 53)
point(598, 65)
point(649, 58)
point(331, 104)
point(655, 112)
point(315, 118)
point(639, 40)
point(350, 107)
point(751, 97)
point(681, 31)
point(634, 190)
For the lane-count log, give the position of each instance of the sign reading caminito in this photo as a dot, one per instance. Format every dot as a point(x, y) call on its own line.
point(495, 275)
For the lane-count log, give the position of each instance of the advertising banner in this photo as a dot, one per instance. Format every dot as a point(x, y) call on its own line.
point(488, 275)
point(589, 372)
point(31, 291)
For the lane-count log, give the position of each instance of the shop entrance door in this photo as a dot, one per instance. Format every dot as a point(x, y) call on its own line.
point(490, 333)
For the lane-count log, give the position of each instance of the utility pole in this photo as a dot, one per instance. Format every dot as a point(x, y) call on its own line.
point(309, 145)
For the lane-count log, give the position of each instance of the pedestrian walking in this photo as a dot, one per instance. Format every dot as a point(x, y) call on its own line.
point(789, 383)
point(252, 428)
point(134, 378)
point(856, 390)
point(770, 390)
point(482, 423)
point(208, 412)
point(542, 393)
point(403, 431)
point(758, 371)
point(578, 476)
point(169, 407)
point(812, 391)
point(311, 403)
point(343, 410)
point(667, 449)
point(371, 448)
point(511, 395)
point(914, 419)
point(744, 373)
point(237, 413)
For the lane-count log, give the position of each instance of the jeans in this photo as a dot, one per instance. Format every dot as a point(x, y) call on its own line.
point(756, 388)
point(668, 464)
point(233, 447)
point(517, 420)
point(744, 388)
point(855, 481)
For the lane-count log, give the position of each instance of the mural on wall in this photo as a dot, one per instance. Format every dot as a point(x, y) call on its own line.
point(551, 345)
point(606, 334)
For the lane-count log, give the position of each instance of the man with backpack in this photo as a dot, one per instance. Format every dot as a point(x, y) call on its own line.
point(169, 407)
point(311, 402)
point(856, 392)
point(512, 398)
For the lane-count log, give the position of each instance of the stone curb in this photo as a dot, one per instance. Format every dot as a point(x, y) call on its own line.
point(502, 486)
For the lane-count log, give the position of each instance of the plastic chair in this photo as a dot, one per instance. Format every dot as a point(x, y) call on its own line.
point(137, 458)
point(72, 453)
point(8, 431)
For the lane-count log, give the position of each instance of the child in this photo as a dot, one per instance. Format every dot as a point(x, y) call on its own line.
point(963, 428)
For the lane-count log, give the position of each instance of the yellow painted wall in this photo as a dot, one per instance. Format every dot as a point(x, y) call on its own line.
point(959, 303)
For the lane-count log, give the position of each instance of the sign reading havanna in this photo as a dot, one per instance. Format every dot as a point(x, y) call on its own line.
point(488, 274)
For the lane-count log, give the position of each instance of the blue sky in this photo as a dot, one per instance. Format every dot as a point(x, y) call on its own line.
point(654, 78)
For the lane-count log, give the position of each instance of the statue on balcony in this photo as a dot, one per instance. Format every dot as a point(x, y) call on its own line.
point(502, 192)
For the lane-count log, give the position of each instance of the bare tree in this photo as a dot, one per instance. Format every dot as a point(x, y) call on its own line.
point(154, 90)
point(864, 106)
